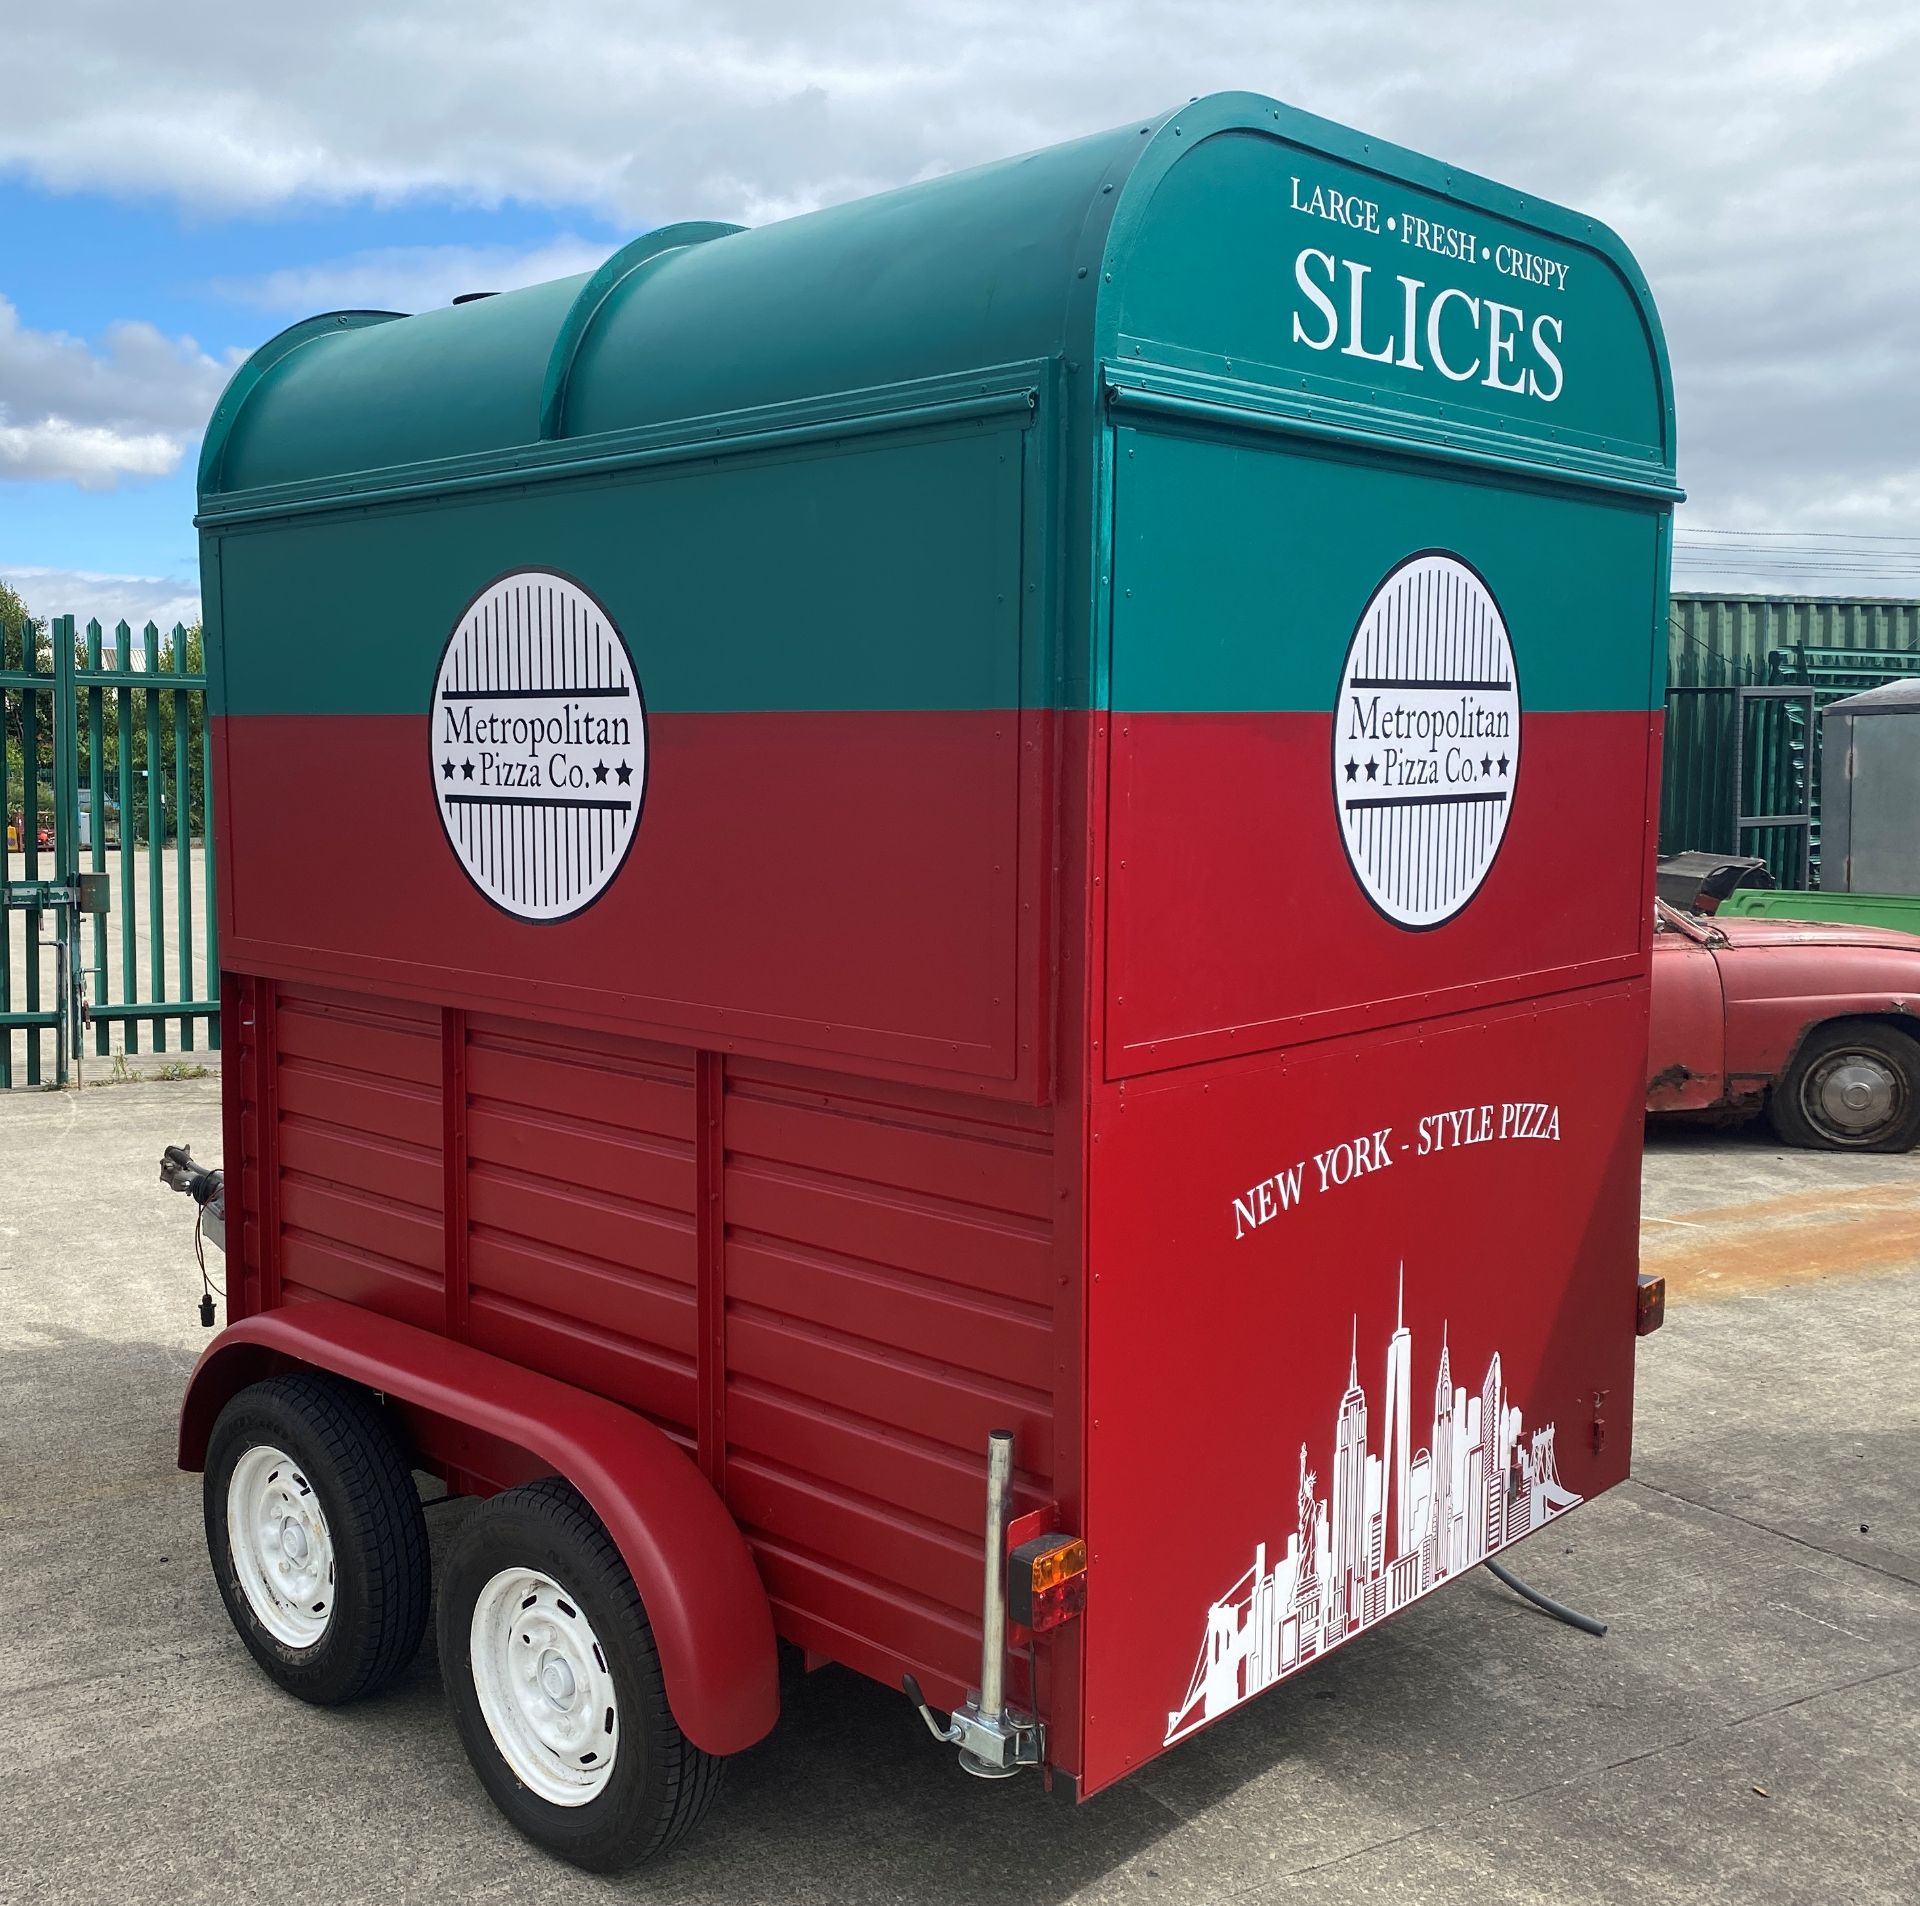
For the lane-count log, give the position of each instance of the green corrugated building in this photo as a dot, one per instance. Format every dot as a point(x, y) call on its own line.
point(1746, 677)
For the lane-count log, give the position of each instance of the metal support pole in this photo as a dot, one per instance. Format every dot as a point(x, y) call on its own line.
point(993, 1601)
point(66, 832)
point(76, 997)
point(993, 1743)
point(62, 987)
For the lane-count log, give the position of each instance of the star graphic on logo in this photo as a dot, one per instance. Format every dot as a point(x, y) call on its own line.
point(1486, 764)
point(446, 770)
point(1503, 764)
point(599, 770)
point(1353, 770)
point(466, 770)
point(1373, 768)
point(623, 774)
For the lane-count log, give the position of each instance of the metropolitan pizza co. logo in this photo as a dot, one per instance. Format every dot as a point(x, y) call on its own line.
point(1426, 740)
point(539, 745)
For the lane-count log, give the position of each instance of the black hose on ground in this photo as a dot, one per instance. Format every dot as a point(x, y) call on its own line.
point(1558, 1610)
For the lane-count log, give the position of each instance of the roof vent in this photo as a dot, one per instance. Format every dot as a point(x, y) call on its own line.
point(474, 297)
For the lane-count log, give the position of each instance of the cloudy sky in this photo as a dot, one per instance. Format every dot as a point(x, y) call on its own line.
point(178, 182)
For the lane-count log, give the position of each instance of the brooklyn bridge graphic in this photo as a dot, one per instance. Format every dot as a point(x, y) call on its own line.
point(1399, 1522)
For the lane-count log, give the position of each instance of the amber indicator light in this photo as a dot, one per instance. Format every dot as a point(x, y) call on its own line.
point(1047, 1581)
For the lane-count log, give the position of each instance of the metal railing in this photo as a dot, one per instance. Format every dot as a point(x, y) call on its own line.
point(107, 772)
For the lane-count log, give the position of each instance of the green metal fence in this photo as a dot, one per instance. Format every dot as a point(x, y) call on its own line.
point(1746, 679)
point(107, 773)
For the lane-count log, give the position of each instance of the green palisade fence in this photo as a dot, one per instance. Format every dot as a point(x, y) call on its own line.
point(108, 771)
point(1818, 648)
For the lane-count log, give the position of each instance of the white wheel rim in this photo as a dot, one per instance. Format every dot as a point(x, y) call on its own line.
point(544, 1687)
point(282, 1549)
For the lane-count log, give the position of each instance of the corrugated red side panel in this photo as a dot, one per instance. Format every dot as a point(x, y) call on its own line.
point(890, 1291)
point(246, 1048)
point(828, 1290)
point(580, 1240)
point(357, 1117)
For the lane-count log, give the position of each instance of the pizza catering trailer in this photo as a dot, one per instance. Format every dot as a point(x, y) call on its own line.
point(964, 1045)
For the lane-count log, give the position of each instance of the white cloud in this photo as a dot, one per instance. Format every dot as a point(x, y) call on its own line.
point(94, 416)
point(413, 277)
point(1759, 155)
point(91, 455)
point(84, 593)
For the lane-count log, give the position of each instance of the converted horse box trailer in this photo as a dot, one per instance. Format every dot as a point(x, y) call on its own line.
point(896, 962)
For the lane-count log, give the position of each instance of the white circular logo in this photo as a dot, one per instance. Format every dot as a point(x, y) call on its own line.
point(539, 743)
point(1426, 740)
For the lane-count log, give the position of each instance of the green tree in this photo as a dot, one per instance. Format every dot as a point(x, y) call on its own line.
point(23, 644)
point(27, 642)
point(179, 650)
point(17, 628)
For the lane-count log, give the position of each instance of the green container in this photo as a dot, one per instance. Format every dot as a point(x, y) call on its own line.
point(1897, 910)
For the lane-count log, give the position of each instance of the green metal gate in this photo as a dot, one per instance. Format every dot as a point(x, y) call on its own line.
point(107, 921)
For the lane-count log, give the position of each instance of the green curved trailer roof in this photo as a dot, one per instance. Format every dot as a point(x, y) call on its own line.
point(1157, 242)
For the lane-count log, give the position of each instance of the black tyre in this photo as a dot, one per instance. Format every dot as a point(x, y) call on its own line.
point(555, 1684)
point(1853, 1086)
point(316, 1536)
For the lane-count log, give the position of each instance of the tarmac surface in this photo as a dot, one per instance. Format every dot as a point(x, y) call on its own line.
point(1748, 1731)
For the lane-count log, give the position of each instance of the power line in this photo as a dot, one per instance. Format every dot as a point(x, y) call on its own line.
point(1906, 577)
point(1840, 559)
point(1901, 553)
point(1795, 535)
point(1780, 552)
point(1723, 546)
point(1767, 563)
point(1706, 556)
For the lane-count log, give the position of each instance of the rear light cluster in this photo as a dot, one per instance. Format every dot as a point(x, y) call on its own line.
point(1047, 1581)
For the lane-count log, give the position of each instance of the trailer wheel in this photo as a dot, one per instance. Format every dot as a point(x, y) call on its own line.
point(1853, 1086)
point(316, 1536)
point(555, 1684)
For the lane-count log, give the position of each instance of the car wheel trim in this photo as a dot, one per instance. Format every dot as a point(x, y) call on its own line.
point(544, 1688)
point(282, 1548)
point(1853, 1095)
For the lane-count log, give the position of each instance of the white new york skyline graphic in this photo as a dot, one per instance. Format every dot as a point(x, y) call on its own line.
point(1397, 1523)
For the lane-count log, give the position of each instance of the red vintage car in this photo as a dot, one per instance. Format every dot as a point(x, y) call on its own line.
point(1813, 1021)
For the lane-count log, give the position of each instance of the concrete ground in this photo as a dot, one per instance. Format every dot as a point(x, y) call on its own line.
point(1749, 1731)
